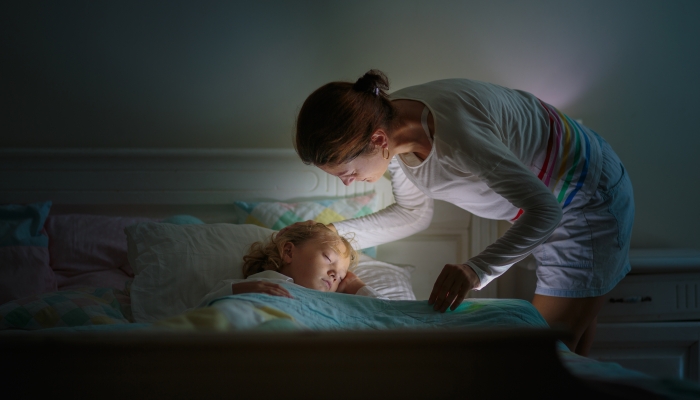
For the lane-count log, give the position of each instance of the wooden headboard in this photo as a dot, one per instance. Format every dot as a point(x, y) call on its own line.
point(205, 182)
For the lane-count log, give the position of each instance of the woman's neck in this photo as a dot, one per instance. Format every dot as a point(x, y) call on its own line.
point(407, 134)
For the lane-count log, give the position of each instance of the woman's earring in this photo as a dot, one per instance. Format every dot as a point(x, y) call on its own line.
point(386, 157)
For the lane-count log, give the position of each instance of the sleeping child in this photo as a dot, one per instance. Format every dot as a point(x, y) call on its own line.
point(309, 255)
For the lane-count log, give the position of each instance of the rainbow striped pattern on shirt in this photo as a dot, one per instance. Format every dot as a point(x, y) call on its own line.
point(566, 162)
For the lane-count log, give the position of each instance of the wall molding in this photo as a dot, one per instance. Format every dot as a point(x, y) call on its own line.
point(165, 176)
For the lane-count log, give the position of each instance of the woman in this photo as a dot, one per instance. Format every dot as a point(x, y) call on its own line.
point(498, 153)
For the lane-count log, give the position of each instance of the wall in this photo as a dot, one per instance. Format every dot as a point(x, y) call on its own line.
point(234, 74)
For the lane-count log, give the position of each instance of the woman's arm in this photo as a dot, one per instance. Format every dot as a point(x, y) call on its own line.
point(411, 213)
point(541, 215)
point(476, 140)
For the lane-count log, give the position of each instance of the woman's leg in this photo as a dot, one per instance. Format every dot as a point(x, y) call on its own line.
point(577, 315)
point(584, 345)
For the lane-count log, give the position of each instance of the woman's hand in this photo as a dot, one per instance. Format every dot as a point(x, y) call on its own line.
point(350, 284)
point(264, 287)
point(452, 286)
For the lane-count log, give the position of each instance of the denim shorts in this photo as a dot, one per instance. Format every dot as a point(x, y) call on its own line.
point(588, 253)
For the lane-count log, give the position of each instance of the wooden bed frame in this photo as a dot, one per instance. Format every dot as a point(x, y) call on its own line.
point(494, 363)
point(499, 364)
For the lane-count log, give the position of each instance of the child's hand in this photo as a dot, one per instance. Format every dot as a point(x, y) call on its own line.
point(350, 284)
point(270, 288)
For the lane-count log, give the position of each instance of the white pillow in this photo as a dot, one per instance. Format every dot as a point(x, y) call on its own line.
point(390, 280)
point(175, 266)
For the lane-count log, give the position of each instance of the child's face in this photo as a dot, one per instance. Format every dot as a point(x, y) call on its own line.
point(316, 264)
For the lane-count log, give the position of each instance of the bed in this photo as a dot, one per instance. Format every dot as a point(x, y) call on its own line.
point(81, 228)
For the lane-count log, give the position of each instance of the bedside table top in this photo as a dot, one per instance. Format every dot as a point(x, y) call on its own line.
point(655, 261)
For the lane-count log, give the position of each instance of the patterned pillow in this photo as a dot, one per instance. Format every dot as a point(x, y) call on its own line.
point(24, 251)
point(90, 306)
point(89, 250)
point(277, 215)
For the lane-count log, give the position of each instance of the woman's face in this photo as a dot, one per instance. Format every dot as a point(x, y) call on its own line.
point(367, 167)
point(316, 264)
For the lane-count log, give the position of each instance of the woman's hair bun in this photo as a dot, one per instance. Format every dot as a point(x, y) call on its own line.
point(373, 82)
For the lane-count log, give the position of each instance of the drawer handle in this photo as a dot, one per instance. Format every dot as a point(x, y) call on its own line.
point(633, 299)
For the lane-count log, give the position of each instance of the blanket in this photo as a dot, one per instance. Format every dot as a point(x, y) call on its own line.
point(311, 309)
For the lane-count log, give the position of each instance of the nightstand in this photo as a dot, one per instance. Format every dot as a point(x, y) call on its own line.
point(651, 321)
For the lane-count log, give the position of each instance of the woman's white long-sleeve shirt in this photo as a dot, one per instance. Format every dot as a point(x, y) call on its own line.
point(498, 153)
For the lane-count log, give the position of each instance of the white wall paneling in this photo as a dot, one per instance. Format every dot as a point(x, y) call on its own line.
point(428, 251)
point(163, 176)
point(483, 233)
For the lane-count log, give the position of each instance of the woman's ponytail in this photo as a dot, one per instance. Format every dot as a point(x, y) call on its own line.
point(373, 82)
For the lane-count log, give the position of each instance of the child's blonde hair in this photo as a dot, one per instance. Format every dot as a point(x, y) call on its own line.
point(268, 255)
